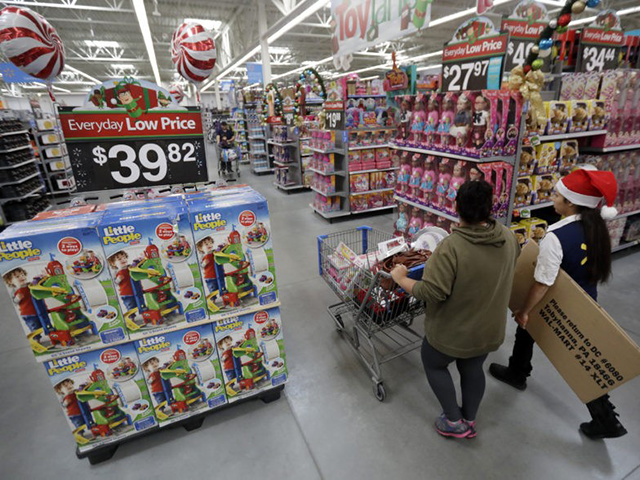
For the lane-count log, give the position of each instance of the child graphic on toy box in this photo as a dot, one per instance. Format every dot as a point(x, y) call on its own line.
point(55, 273)
point(154, 268)
point(103, 395)
point(235, 253)
point(182, 372)
point(252, 352)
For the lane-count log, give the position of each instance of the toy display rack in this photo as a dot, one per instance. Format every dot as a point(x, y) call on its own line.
point(256, 136)
point(295, 172)
point(239, 124)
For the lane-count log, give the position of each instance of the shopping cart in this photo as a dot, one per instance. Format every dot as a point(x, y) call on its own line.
point(229, 155)
point(374, 315)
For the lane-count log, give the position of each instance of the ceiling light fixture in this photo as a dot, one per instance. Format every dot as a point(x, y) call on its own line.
point(463, 13)
point(279, 50)
point(295, 21)
point(79, 72)
point(141, 13)
point(430, 67)
point(102, 44)
point(122, 66)
point(207, 24)
point(61, 89)
point(300, 69)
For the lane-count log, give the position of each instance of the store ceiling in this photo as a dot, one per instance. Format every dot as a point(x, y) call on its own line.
point(79, 21)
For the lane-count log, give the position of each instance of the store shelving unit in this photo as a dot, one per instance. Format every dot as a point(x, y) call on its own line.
point(420, 206)
point(53, 155)
point(239, 124)
point(257, 140)
point(438, 153)
point(289, 174)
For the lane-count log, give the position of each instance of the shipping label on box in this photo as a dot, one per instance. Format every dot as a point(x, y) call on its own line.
point(103, 395)
point(587, 347)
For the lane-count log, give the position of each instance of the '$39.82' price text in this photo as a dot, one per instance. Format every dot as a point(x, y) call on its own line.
point(461, 73)
point(151, 155)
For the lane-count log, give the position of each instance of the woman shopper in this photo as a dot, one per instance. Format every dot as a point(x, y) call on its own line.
point(466, 284)
point(577, 198)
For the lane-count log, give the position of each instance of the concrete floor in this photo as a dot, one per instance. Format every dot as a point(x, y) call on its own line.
point(328, 424)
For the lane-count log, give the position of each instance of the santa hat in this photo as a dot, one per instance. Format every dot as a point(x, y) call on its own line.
point(587, 188)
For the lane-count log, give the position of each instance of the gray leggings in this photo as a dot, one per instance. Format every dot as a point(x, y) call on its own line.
point(471, 380)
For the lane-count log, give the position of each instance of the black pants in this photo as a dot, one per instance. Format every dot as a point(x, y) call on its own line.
point(520, 364)
point(472, 382)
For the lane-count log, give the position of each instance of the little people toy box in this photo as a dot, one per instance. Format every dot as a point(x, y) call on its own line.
point(251, 349)
point(150, 254)
point(232, 235)
point(57, 277)
point(182, 372)
point(103, 394)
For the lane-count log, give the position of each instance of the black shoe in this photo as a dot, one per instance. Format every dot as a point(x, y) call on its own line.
point(595, 429)
point(502, 373)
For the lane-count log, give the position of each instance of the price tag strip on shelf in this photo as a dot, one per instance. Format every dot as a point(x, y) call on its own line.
point(142, 141)
point(525, 25)
point(600, 43)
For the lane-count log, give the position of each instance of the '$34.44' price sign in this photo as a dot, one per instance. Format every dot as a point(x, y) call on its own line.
point(148, 162)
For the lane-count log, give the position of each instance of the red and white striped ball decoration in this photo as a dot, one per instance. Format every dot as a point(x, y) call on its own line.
point(193, 52)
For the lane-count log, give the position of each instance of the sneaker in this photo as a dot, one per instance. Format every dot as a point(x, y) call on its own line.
point(504, 374)
point(447, 428)
point(472, 428)
point(595, 429)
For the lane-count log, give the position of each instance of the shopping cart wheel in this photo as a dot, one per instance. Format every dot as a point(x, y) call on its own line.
point(340, 323)
point(379, 391)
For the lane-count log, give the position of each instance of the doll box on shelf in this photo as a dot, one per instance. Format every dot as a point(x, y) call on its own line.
point(57, 276)
point(251, 350)
point(151, 258)
point(182, 372)
point(103, 395)
point(233, 243)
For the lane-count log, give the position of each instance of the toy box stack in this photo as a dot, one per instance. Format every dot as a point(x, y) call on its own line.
point(57, 276)
point(251, 350)
point(182, 372)
point(178, 265)
point(103, 395)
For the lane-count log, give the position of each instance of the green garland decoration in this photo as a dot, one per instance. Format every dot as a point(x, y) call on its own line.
point(272, 87)
point(310, 75)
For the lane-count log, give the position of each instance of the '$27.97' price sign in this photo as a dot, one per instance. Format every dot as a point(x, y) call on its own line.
point(460, 76)
point(150, 161)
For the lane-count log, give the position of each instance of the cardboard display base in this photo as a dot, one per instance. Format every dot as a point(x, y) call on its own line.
point(588, 348)
point(106, 452)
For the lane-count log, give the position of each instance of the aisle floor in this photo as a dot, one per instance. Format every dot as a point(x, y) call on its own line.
point(328, 423)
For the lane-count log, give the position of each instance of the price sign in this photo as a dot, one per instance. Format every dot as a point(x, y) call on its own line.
point(334, 115)
point(599, 49)
point(523, 35)
point(474, 66)
point(111, 150)
point(289, 118)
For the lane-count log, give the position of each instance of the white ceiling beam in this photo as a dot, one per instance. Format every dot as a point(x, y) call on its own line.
point(94, 8)
point(280, 6)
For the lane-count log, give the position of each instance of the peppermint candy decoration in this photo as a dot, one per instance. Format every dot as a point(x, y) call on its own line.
point(177, 93)
point(193, 52)
point(31, 43)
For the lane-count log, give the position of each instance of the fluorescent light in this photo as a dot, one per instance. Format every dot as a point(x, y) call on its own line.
point(295, 21)
point(300, 69)
point(61, 89)
point(463, 13)
point(207, 24)
point(102, 44)
point(374, 54)
point(75, 70)
point(621, 13)
point(430, 67)
point(279, 50)
point(232, 66)
point(362, 70)
point(141, 13)
point(122, 66)
point(369, 78)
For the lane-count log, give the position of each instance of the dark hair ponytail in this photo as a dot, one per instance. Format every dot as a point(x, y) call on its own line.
point(598, 245)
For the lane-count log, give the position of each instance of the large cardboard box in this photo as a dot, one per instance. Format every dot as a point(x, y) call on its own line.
point(587, 347)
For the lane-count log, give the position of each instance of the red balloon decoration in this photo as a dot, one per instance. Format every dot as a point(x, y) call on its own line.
point(564, 20)
point(177, 93)
point(193, 52)
point(31, 43)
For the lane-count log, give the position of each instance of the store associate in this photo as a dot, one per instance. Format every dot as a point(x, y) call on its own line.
point(467, 288)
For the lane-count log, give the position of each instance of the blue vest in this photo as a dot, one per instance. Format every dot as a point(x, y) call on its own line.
point(574, 256)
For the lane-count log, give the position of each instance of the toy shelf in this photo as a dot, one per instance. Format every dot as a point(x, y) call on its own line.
point(373, 129)
point(27, 162)
point(428, 209)
point(330, 215)
point(368, 95)
point(386, 145)
point(319, 150)
point(256, 138)
point(568, 136)
point(376, 209)
point(33, 192)
point(619, 148)
point(22, 180)
point(283, 164)
point(437, 153)
point(326, 194)
point(289, 187)
point(281, 144)
point(22, 147)
point(260, 171)
point(340, 173)
point(624, 246)
point(534, 207)
point(6, 134)
point(353, 172)
point(380, 190)
point(625, 215)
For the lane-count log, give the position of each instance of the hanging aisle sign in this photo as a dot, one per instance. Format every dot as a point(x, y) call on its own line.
point(525, 25)
point(600, 43)
point(131, 133)
point(360, 24)
point(474, 58)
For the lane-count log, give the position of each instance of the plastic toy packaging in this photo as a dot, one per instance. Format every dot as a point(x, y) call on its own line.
point(57, 276)
point(457, 179)
point(546, 157)
point(404, 176)
point(252, 354)
point(405, 119)
point(103, 395)
point(233, 245)
point(415, 222)
point(359, 203)
point(150, 254)
point(442, 187)
point(535, 228)
point(542, 186)
point(359, 182)
point(446, 121)
point(182, 372)
point(482, 137)
point(418, 122)
point(504, 171)
point(461, 130)
point(568, 157)
point(401, 225)
point(527, 160)
point(416, 177)
point(558, 114)
point(580, 116)
point(523, 192)
point(432, 122)
point(429, 180)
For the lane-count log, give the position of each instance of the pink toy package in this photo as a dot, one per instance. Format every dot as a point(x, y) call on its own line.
point(504, 171)
point(457, 179)
point(415, 222)
point(406, 115)
point(568, 83)
point(382, 158)
point(484, 111)
point(487, 173)
point(444, 180)
point(402, 186)
point(513, 123)
point(429, 179)
point(592, 84)
point(579, 86)
point(462, 122)
point(416, 177)
point(446, 121)
point(433, 121)
point(418, 120)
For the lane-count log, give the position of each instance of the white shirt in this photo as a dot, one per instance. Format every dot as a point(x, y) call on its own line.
point(550, 255)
